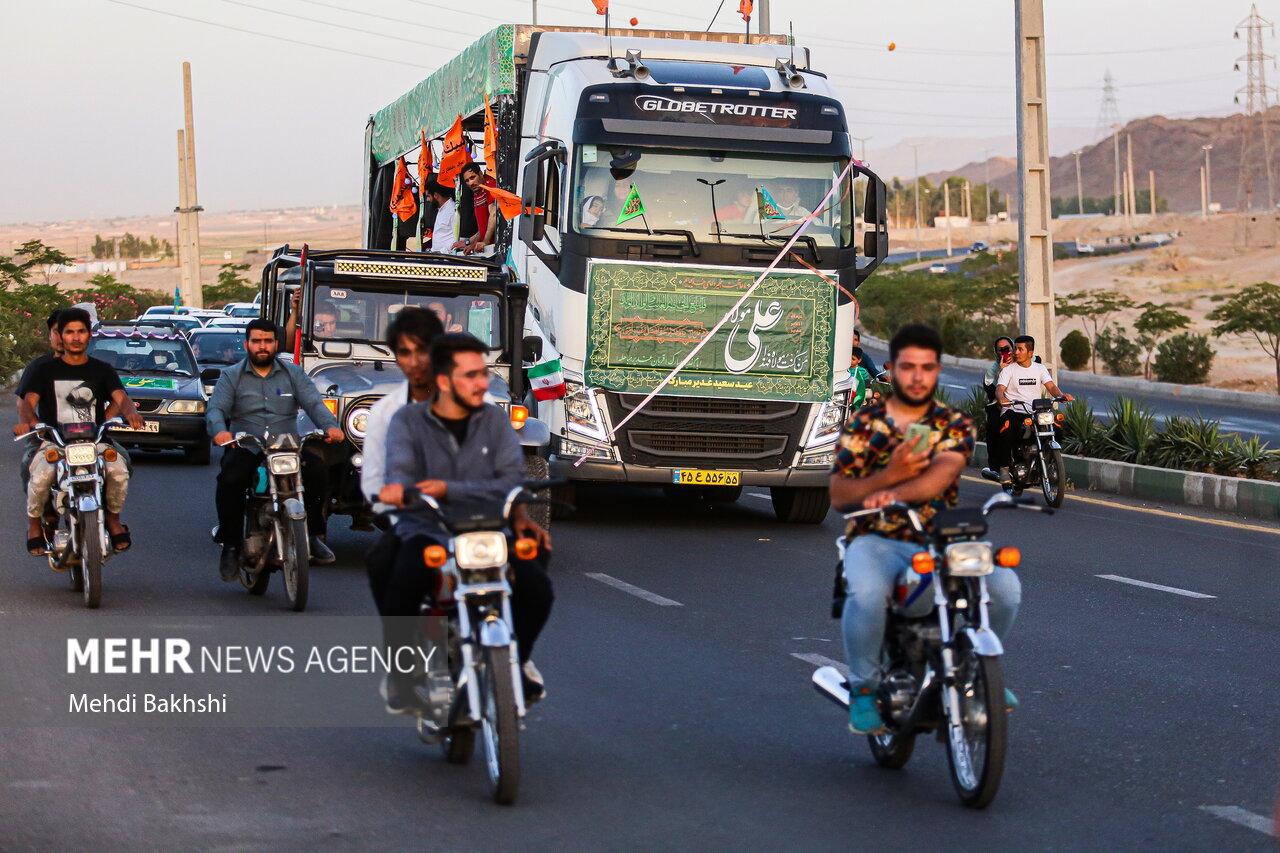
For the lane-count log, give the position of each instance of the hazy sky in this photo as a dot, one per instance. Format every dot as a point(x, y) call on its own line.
point(90, 90)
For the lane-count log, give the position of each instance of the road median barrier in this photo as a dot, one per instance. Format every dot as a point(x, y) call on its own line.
point(1259, 499)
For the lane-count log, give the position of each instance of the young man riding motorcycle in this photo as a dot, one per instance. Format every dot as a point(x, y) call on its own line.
point(74, 388)
point(456, 447)
point(262, 395)
point(1021, 382)
point(875, 467)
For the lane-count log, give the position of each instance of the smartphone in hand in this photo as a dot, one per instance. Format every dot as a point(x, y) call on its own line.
point(917, 437)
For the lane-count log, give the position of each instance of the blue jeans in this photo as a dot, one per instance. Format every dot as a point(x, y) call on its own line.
point(872, 566)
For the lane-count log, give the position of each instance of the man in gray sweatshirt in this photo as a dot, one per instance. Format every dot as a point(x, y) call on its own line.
point(456, 448)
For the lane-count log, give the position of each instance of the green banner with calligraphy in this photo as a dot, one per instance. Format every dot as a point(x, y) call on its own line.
point(645, 318)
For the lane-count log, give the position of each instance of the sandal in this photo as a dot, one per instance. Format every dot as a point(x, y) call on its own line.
point(121, 541)
point(37, 547)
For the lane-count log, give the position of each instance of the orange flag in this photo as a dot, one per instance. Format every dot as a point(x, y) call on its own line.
point(425, 166)
point(490, 137)
point(509, 204)
point(454, 156)
point(403, 203)
point(744, 9)
point(602, 6)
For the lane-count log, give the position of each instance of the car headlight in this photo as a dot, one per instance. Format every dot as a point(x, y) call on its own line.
point(283, 463)
point(185, 407)
point(581, 412)
point(1044, 418)
point(480, 550)
point(830, 419)
point(969, 559)
point(82, 454)
point(357, 422)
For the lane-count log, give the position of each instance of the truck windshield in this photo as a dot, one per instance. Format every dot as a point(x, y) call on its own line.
point(659, 188)
point(361, 313)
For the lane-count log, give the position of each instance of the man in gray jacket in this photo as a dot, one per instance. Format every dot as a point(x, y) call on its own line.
point(455, 447)
point(261, 396)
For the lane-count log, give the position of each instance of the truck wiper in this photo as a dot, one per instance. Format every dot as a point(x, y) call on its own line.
point(670, 232)
point(808, 241)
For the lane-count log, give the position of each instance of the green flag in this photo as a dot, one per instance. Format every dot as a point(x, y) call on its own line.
point(768, 207)
point(632, 207)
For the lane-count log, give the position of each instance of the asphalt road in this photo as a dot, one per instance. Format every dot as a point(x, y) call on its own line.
point(1247, 422)
point(686, 725)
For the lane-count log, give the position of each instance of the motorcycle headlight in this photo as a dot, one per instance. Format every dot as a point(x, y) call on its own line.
point(185, 407)
point(581, 411)
point(283, 463)
point(830, 419)
point(480, 550)
point(969, 559)
point(82, 454)
point(1044, 418)
point(357, 422)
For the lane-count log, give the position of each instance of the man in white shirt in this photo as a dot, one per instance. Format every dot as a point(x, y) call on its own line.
point(1019, 384)
point(445, 231)
point(409, 336)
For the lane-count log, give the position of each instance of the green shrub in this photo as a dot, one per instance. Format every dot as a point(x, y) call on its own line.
point(975, 406)
point(1075, 350)
point(1122, 356)
point(1130, 433)
point(1082, 435)
point(1251, 458)
point(1184, 358)
point(1190, 444)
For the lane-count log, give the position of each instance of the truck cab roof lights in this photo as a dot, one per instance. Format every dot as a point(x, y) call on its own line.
point(788, 73)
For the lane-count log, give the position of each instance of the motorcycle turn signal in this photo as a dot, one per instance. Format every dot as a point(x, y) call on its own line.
point(434, 556)
point(1008, 557)
point(922, 562)
point(526, 548)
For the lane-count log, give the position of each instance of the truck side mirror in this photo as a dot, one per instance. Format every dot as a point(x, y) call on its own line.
point(533, 224)
point(532, 347)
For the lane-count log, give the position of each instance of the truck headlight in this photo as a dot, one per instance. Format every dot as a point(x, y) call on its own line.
point(576, 449)
point(581, 412)
point(969, 559)
point(283, 463)
point(185, 407)
point(483, 549)
point(826, 427)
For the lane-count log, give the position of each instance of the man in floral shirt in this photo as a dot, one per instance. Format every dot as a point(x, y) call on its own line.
point(873, 468)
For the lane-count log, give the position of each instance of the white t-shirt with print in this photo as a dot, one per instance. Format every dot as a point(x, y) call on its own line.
point(1024, 383)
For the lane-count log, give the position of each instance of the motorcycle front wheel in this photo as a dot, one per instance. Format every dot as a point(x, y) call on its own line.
point(892, 749)
point(297, 562)
point(500, 725)
point(976, 743)
point(1053, 477)
point(90, 541)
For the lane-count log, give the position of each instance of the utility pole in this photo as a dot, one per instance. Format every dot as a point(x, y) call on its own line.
point(915, 191)
point(1151, 181)
point(1131, 196)
point(1110, 121)
point(1079, 185)
point(184, 269)
point(968, 201)
point(1116, 204)
point(1208, 180)
point(763, 25)
point(986, 153)
point(946, 211)
point(190, 209)
point(1204, 197)
point(1035, 224)
point(1257, 96)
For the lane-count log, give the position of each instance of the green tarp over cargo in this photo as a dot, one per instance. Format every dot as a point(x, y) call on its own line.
point(457, 88)
point(645, 318)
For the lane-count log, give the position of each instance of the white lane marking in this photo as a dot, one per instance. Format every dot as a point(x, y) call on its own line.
point(961, 387)
point(754, 495)
point(651, 597)
point(1235, 814)
point(822, 660)
point(1161, 587)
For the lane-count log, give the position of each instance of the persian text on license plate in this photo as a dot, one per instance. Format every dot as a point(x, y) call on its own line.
point(147, 426)
point(688, 477)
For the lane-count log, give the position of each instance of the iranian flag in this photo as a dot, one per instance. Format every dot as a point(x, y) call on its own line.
point(546, 380)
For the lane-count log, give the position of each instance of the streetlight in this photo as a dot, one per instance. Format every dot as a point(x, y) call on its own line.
point(915, 155)
point(1208, 179)
point(986, 153)
point(1079, 185)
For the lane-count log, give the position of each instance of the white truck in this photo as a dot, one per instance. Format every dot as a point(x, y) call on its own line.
point(661, 172)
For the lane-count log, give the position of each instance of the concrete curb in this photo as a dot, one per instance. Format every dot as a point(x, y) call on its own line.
point(1250, 498)
point(1078, 379)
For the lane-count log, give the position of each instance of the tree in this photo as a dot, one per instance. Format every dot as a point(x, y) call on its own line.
point(1075, 350)
point(231, 287)
point(1253, 311)
point(1153, 324)
point(17, 270)
point(1184, 358)
point(1094, 308)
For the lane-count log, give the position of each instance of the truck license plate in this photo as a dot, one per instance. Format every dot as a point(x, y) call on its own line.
point(147, 426)
point(688, 477)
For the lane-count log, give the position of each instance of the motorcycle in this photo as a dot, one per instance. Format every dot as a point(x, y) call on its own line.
point(1036, 456)
point(76, 536)
point(473, 678)
point(275, 518)
point(941, 669)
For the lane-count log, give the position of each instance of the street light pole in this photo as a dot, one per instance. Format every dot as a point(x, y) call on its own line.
point(1079, 185)
point(915, 156)
point(1208, 179)
point(986, 153)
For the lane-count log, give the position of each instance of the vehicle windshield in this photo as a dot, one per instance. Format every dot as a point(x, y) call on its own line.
point(144, 355)
point(218, 347)
point(645, 189)
point(244, 311)
point(362, 313)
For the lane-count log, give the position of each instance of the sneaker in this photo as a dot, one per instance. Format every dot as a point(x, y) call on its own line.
point(991, 475)
point(320, 553)
point(401, 699)
point(864, 713)
point(535, 688)
point(1010, 701)
point(229, 564)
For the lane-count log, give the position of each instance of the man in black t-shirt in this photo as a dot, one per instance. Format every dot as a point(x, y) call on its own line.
point(75, 389)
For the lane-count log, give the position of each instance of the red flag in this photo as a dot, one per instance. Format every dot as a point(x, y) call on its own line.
point(490, 137)
point(454, 156)
point(509, 204)
point(403, 203)
point(744, 9)
point(602, 6)
point(425, 166)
